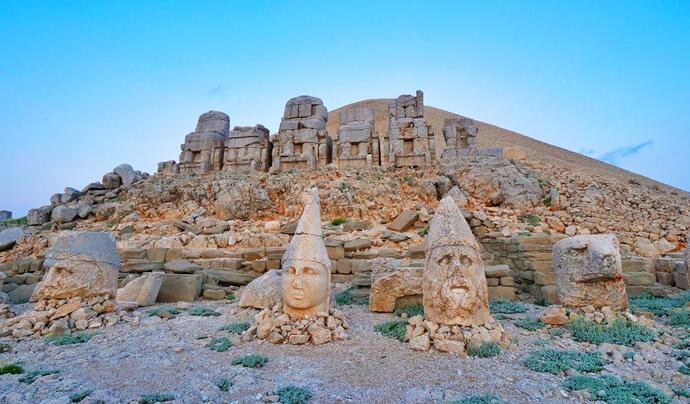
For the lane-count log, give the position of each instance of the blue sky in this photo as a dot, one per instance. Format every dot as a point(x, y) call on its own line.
point(87, 85)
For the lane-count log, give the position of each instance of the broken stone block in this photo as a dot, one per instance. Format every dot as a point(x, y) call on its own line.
point(203, 149)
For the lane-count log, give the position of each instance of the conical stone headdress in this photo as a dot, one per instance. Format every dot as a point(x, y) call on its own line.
point(448, 227)
point(307, 243)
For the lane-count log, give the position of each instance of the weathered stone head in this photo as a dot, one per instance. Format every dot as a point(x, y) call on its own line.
point(306, 266)
point(213, 121)
point(80, 264)
point(454, 285)
point(589, 272)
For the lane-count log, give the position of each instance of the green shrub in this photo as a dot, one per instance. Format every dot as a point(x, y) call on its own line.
point(411, 310)
point(31, 376)
point(236, 327)
point(557, 331)
point(555, 361)
point(344, 187)
point(68, 339)
point(532, 220)
point(620, 332)
point(4, 348)
point(224, 384)
point(424, 231)
point(338, 221)
point(506, 307)
point(611, 389)
point(163, 312)
point(409, 180)
point(680, 318)
point(79, 396)
point(203, 311)
point(156, 398)
point(250, 361)
point(479, 399)
point(628, 355)
point(394, 329)
point(292, 394)
point(17, 221)
point(344, 297)
point(681, 391)
point(659, 305)
point(547, 201)
point(681, 355)
point(11, 369)
point(529, 323)
point(685, 369)
point(484, 350)
point(230, 297)
point(221, 344)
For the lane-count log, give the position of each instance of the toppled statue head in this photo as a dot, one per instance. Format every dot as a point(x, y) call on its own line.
point(306, 266)
point(589, 272)
point(80, 264)
point(454, 285)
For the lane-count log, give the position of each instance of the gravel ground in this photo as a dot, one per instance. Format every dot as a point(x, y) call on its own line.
point(124, 362)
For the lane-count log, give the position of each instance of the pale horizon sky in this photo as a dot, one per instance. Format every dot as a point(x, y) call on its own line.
point(88, 85)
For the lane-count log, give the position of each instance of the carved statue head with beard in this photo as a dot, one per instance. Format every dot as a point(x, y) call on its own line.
point(454, 285)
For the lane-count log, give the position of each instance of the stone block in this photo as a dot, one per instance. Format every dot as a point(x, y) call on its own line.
point(180, 288)
point(497, 271)
point(501, 292)
point(544, 278)
point(404, 220)
point(357, 244)
point(665, 278)
point(507, 281)
point(639, 278)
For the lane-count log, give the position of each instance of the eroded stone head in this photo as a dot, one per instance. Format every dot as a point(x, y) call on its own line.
point(589, 272)
point(80, 264)
point(454, 285)
point(306, 266)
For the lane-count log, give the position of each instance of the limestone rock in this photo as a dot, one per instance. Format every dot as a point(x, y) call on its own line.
point(126, 173)
point(203, 149)
point(9, 237)
point(263, 292)
point(63, 214)
point(180, 288)
point(404, 220)
point(39, 216)
point(420, 343)
point(319, 335)
point(82, 264)
point(589, 272)
point(5, 215)
point(111, 181)
point(69, 195)
point(143, 290)
point(182, 267)
point(554, 315)
point(387, 288)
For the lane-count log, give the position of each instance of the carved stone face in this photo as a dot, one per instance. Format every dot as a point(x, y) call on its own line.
point(305, 288)
point(455, 278)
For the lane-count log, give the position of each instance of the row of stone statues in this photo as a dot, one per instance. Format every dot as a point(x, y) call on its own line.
point(303, 142)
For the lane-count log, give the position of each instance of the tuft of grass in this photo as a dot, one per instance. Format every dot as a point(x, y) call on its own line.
point(409, 180)
point(31, 376)
point(344, 297)
point(484, 350)
point(203, 311)
point(236, 327)
point(685, 369)
point(479, 399)
point(681, 355)
point(163, 311)
point(68, 339)
point(424, 231)
point(619, 332)
point(628, 356)
point(532, 220)
point(611, 389)
point(659, 305)
point(156, 398)
point(529, 323)
point(250, 361)
point(681, 391)
point(555, 361)
point(557, 331)
point(292, 394)
point(547, 201)
point(411, 310)
point(506, 307)
point(221, 344)
point(680, 318)
point(344, 187)
point(224, 384)
point(11, 369)
point(338, 221)
point(393, 329)
point(230, 297)
point(79, 396)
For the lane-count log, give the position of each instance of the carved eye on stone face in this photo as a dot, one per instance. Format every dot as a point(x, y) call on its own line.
point(292, 270)
point(445, 260)
point(465, 260)
point(309, 271)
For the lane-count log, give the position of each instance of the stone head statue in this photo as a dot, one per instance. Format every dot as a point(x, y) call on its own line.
point(80, 264)
point(306, 268)
point(213, 122)
point(454, 285)
point(589, 272)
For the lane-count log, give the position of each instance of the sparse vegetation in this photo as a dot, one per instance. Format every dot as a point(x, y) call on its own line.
point(338, 221)
point(484, 350)
point(250, 361)
point(394, 329)
point(411, 310)
point(681, 391)
point(344, 297)
point(409, 180)
point(156, 398)
point(620, 332)
point(479, 399)
point(628, 355)
point(680, 318)
point(292, 394)
point(221, 344)
point(203, 311)
point(547, 201)
point(17, 221)
point(345, 187)
point(31, 376)
point(11, 369)
point(68, 339)
point(532, 220)
point(236, 327)
point(230, 297)
point(556, 361)
point(506, 307)
point(424, 231)
point(4, 348)
point(529, 323)
point(659, 305)
point(685, 369)
point(557, 331)
point(611, 389)
point(79, 396)
point(224, 384)
point(165, 311)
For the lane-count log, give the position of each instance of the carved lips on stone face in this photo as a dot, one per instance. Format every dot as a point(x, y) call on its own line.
point(454, 286)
